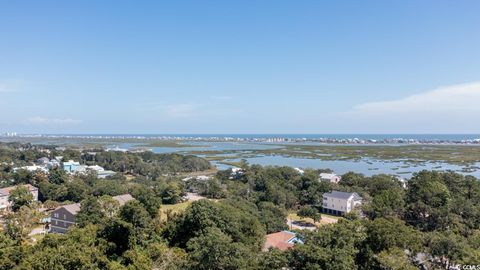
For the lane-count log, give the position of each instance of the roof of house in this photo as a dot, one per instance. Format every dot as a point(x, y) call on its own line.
point(341, 195)
point(72, 208)
point(328, 175)
point(43, 159)
point(123, 199)
point(6, 191)
point(71, 162)
point(282, 240)
point(95, 168)
point(105, 172)
point(80, 168)
point(75, 207)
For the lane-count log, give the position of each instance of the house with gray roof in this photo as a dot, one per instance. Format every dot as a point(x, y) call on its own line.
point(64, 216)
point(339, 202)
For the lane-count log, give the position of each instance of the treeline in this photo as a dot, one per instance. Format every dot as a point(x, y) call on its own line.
point(21, 153)
point(147, 163)
point(433, 222)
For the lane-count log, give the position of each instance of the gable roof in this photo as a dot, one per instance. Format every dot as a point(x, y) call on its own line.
point(71, 208)
point(341, 195)
point(75, 207)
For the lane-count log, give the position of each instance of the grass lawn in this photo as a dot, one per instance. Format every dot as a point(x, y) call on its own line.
point(326, 219)
point(175, 208)
point(36, 238)
point(206, 172)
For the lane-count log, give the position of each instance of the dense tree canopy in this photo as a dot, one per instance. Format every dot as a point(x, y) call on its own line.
point(433, 221)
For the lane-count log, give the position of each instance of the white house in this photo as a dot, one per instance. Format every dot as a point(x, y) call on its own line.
point(402, 181)
point(339, 203)
point(32, 168)
point(5, 193)
point(330, 177)
point(300, 171)
point(236, 173)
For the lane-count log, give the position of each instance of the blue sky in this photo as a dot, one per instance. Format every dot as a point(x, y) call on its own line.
point(240, 66)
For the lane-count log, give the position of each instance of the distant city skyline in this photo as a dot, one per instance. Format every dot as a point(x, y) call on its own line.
point(240, 67)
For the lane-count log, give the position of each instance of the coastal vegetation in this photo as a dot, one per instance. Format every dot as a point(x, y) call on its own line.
point(432, 222)
point(409, 154)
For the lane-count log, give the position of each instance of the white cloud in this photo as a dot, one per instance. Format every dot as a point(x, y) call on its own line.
point(455, 99)
point(450, 109)
point(56, 121)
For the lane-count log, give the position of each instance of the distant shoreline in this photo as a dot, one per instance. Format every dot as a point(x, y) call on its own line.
point(342, 139)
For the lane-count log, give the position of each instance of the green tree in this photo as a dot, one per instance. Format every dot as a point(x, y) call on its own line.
point(352, 179)
point(216, 250)
point(309, 211)
point(147, 197)
point(57, 176)
point(214, 189)
point(78, 249)
point(333, 247)
point(428, 201)
point(108, 205)
point(273, 259)
point(171, 194)
point(90, 212)
point(272, 216)
point(165, 258)
point(20, 196)
point(119, 235)
point(22, 176)
point(448, 248)
point(10, 252)
point(388, 203)
point(385, 234)
point(76, 190)
point(134, 213)
point(311, 189)
point(238, 223)
point(19, 224)
point(395, 259)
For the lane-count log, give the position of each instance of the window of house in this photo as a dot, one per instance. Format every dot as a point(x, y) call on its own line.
point(55, 215)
